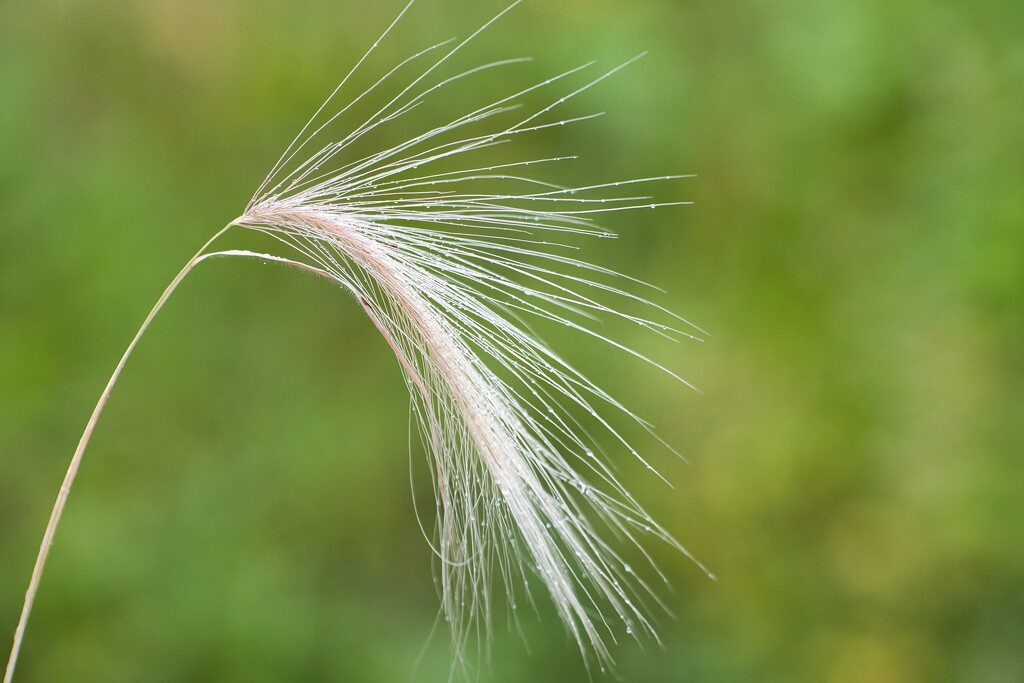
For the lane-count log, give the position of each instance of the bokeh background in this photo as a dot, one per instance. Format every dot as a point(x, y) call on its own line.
point(856, 249)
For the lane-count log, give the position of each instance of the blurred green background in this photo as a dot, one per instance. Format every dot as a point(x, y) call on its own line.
point(856, 249)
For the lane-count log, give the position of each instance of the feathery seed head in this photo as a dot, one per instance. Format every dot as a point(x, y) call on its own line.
point(449, 274)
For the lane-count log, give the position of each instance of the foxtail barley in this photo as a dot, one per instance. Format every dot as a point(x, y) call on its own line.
point(450, 276)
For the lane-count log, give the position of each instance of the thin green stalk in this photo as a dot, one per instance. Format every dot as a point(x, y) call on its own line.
point(76, 459)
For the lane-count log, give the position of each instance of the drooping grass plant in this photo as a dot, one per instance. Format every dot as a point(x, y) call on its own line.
point(450, 275)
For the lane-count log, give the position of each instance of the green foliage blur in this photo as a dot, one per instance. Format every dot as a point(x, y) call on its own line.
point(856, 249)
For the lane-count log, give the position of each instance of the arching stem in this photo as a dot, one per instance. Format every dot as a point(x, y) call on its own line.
point(76, 459)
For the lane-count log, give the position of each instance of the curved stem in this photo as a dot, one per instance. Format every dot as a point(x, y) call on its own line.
point(76, 459)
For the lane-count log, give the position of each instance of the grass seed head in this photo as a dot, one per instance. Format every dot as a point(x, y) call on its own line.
point(450, 265)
